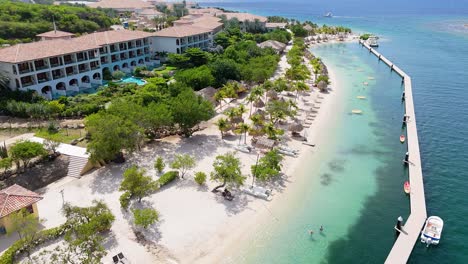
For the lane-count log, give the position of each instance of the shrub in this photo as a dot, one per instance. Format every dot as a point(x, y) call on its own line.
point(125, 200)
point(167, 178)
point(159, 164)
point(137, 71)
point(117, 75)
point(145, 217)
point(200, 177)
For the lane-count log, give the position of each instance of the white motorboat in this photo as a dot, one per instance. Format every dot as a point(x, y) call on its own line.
point(432, 230)
point(328, 14)
point(372, 41)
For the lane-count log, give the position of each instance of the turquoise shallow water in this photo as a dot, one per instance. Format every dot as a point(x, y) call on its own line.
point(356, 193)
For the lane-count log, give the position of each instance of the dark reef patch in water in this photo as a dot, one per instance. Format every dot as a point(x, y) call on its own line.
point(326, 179)
point(337, 165)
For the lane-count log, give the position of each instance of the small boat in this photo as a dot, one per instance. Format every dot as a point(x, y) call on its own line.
point(356, 111)
point(328, 14)
point(372, 41)
point(361, 97)
point(402, 139)
point(406, 187)
point(432, 231)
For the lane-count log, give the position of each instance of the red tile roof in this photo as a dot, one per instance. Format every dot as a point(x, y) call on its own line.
point(15, 198)
point(243, 17)
point(55, 34)
point(181, 31)
point(56, 47)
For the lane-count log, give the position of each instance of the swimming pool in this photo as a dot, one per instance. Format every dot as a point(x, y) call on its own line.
point(133, 79)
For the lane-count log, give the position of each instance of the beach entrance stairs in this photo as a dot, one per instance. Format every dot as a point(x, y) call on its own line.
point(76, 166)
point(79, 162)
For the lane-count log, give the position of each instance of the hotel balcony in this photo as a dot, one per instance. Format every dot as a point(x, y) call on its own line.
point(42, 80)
point(83, 70)
point(23, 71)
point(28, 83)
point(69, 61)
point(58, 76)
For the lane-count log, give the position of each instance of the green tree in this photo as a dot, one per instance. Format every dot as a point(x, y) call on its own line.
point(279, 110)
point(227, 170)
point(110, 134)
point(84, 236)
point(6, 163)
point(224, 70)
point(145, 217)
point(223, 126)
point(179, 60)
point(222, 39)
point(159, 164)
point(197, 78)
point(25, 151)
point(242, 128)
point(117, 75)
point(26, 225)
point(183, 163)
point(136, 183)
point(189, 109)
point(197, 57)
point(200, 177)
point(268, 166)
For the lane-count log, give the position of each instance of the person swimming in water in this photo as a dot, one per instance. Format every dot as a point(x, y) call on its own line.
point(321, 228)
point(311, 232)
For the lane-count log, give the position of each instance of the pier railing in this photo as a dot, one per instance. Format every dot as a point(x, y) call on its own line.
point(405, 242)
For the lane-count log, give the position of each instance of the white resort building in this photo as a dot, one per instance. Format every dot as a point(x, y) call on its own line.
point(66, 66)
point(179, 38)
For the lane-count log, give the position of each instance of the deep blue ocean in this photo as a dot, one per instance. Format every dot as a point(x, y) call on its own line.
point(429, 41)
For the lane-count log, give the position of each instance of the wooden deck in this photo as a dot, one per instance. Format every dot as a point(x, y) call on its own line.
point(403, 246)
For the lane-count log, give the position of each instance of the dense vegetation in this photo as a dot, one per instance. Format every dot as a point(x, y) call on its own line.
point(21, 22)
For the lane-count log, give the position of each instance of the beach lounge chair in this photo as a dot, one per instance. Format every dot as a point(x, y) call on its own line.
point(257, 191)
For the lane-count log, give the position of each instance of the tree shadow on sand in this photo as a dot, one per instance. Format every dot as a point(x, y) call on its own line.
point(108, 179)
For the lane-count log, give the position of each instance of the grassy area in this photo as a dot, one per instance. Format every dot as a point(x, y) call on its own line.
point(63, 135)
point(166, 70)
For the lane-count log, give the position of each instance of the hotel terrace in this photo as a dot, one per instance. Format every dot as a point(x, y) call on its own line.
point(66, 66)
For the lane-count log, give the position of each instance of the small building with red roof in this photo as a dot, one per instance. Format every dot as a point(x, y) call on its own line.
point(13, 199)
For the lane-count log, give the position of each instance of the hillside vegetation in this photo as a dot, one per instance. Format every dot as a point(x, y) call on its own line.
point(20, 22)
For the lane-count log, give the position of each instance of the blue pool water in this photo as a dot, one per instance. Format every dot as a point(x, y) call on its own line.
point(133, 79)
point(356, 193)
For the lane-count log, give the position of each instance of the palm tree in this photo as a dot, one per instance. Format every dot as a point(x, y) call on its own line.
point(219, 97)
point(223, 126)
point(270, 130)
point(241, 110)
point(243, 128)
point(231, 113)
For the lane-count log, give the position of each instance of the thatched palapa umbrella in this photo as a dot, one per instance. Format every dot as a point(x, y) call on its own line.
point(272, 94)
point(296, 127)
point(322, 85)
point(259, 103)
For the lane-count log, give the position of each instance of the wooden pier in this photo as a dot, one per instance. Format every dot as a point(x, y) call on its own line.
point(405, 242)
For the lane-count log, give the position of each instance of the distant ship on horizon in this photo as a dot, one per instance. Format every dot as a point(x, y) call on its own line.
point(328, 14)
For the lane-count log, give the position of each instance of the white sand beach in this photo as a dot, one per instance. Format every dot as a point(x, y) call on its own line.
point(195, 225)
